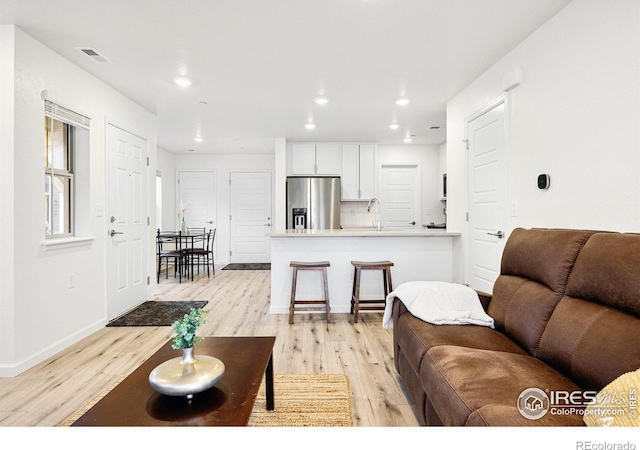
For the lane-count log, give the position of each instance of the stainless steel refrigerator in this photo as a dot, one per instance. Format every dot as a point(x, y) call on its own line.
point(313, 203)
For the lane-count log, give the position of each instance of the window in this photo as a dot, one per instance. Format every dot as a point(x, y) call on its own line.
point(66, 134)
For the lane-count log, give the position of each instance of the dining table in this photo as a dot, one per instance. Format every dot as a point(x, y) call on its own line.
point(184, 242)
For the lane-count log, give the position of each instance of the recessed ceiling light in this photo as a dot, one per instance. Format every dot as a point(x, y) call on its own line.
point(407, 139)
point(322, 100)
point(183, 81)
point(402, 101)
point(197, 139)
point(394, 126)
point(310, 126)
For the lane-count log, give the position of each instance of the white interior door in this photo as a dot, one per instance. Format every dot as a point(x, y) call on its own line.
point(197, 191)
point(251, 217)
point(400, 196)
point(127, 248)
point(487, 181)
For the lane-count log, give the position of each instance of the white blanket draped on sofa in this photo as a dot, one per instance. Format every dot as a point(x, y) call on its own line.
point(439, 303)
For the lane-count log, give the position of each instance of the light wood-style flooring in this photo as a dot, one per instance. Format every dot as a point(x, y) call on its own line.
point(238, 306)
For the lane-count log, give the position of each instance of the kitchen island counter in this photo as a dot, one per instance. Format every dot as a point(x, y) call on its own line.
point(363, 232)
point(422, 254)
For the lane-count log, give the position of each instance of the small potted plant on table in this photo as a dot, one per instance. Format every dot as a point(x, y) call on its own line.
point(186, 337)
point(189, 374)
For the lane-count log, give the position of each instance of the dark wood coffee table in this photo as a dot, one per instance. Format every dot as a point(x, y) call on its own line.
point(134, 403)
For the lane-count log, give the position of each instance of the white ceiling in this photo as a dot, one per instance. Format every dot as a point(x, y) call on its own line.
point(259, 64)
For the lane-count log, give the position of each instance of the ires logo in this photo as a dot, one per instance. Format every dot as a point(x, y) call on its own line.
point(534, 403)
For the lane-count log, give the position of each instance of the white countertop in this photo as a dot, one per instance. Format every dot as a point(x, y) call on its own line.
point(364, 232)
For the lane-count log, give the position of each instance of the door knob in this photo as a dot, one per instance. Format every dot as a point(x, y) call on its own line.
point(114, 232)
point(412, 223)
point(499, 234)
point(267, 224)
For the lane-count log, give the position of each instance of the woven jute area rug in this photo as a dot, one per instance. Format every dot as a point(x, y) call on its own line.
point(311, 400)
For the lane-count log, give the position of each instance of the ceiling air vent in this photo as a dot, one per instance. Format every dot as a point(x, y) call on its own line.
point(94, 54)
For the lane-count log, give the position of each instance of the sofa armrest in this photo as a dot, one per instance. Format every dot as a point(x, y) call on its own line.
point(485, 299)
point(398, 307)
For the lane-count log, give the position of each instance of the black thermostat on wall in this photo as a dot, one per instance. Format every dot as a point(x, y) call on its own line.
point(543, 181)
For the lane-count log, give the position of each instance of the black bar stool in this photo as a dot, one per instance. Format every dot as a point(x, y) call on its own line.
point(320, 305)
point(358, 304)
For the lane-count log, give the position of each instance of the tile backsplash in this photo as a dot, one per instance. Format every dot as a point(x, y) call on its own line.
point(355, 214)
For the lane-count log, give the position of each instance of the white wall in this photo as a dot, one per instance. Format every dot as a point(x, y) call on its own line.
point(575, 116)
point(223, 165)
point(280, 185)
point(7, 200)
point(166, 165)
point(34, 291)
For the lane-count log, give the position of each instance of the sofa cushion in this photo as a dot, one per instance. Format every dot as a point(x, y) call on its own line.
point(608, 272)
point(415, 337)
point(459, 381)
point(535, 268)
point(521, 309)
point(543, 255)
point(593, 335)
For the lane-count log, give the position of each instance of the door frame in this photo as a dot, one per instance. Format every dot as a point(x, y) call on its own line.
point(149, 235)
point(501, 100)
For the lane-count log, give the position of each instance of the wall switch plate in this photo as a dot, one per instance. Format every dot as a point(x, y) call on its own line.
point(514, 209)
point(427, 211)
point(71, 282)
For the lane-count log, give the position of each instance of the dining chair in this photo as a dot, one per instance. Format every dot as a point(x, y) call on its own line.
point(206, 252)
point(169, 246)
point(193, 248)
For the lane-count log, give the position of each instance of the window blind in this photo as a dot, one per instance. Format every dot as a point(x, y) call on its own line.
point(66, 115)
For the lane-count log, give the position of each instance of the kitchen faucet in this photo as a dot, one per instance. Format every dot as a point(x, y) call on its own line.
point(378, 225)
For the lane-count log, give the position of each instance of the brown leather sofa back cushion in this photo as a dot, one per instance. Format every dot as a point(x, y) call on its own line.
point(535, 268)
point(593, 336)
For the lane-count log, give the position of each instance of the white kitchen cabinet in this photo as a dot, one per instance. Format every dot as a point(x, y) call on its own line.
point(315, 159)
point(358, 171)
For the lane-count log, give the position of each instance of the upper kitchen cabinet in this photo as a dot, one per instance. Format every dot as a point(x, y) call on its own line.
point(315, 159)
point(358, 171)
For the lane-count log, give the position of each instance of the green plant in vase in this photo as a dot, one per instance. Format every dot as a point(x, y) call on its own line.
point(189, 374)
point(186, 329)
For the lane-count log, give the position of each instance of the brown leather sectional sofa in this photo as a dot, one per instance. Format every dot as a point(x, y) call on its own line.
point(566, 308)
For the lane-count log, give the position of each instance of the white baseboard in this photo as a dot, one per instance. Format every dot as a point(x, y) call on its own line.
point(12, 370)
